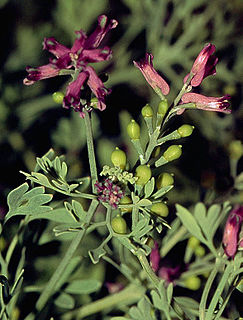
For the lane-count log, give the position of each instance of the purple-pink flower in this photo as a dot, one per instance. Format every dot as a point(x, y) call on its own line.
point(204, 65)
point(84, 50)
point(232, 230)
point(159, 85)
point(109, 192)
point(219, 104)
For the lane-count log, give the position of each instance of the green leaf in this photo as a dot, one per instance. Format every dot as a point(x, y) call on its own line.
point(142, 310)
point(24, 202)
point(65, 301)
point(144, 203)
point(83, 286)
point(149, 188)
point(162, 192)
point(189, 222)
point(96, 254)
point(57, 215)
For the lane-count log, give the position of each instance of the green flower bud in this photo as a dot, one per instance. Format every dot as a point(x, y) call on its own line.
point(160, 209)
point(143, 172)
point(235, 149)
point(199, 251)
point(162, 107)
point(164, 179)
point(173, 152)
point(185, 130)
point(193, 283)
point(147, 111)
point(133, 130)
point(126, 200)
point(58, 97)
point(119, 224)
point(193, 243)
point(119, 158)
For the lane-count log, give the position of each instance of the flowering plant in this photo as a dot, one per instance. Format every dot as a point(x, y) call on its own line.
point(122, 211)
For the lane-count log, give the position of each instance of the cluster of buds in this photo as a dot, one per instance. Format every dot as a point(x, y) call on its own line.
point(109, 192)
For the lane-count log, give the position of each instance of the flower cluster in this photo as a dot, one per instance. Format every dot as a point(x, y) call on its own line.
point(109, 192)
point(116, 173)
point(204, 65)
point(231, 232)
point(75, 61)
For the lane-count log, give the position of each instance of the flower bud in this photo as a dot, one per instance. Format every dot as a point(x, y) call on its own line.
point(173, 152)
point(185, 130)
point(235, 149)
point(143, 172)
point(119, 224)
point(199, 251)
point(193, 283)
point(119, 158)
point(164, 179)
point(162, 107)
point(58, 97)
point(160, 209)
point(126, 200)
point(133, 130)
point(193, 243)
point(147, 111)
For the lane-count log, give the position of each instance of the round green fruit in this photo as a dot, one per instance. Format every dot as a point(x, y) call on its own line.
point(160, 209)
point(119, 158)
point(173, 152)
point(144, 173)
point(165, 179)
point(119, 225)
point(58, 97)
point(133, 130)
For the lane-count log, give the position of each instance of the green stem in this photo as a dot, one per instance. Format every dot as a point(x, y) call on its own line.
point(152, 144)
point(127, 296)
point(144, 263)
point(134, 217)
point(50, 288)
point(91, 153)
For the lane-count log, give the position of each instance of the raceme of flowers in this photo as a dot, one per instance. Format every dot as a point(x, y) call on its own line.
point(84, 51)
point(204, 65)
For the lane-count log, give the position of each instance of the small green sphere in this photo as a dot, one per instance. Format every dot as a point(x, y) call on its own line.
point(133, 130)
point(162, 107)
point(58, 97)
point(119, 158)
point(185, 130)
point(144, 173)
point(147, 111)
point(126, 200)
point(193, 243)
point(160, 209)
point(164, 179)
point(193, 283)
point(119, 225)
point(173, 152)
point(199, 251)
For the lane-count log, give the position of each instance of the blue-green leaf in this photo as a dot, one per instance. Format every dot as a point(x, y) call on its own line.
point(83, 286)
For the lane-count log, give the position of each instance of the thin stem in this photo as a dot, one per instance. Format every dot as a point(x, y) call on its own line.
point(91, 153)
point(50, 288)
point(149, 271)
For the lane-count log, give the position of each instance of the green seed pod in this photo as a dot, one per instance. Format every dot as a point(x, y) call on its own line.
point(199, 251)
point(173, 152)
point(58, 97)
point(164, 179)
point(235, 149)
point(126, 200)
point(193, 283)
point(193, 243)
point(156, 152)
point(185, 130)
point(147, 111)
point(119, 224)
point(133, 130)
point(119, 158)
point(162, 107)
point(160, 209)
point(143, 172)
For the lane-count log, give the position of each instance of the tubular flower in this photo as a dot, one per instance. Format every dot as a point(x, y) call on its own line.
point(109, 192)
point(219, 104)
point(232, 230)
point(84, 50)
point(151, 75)
point(204, 65)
